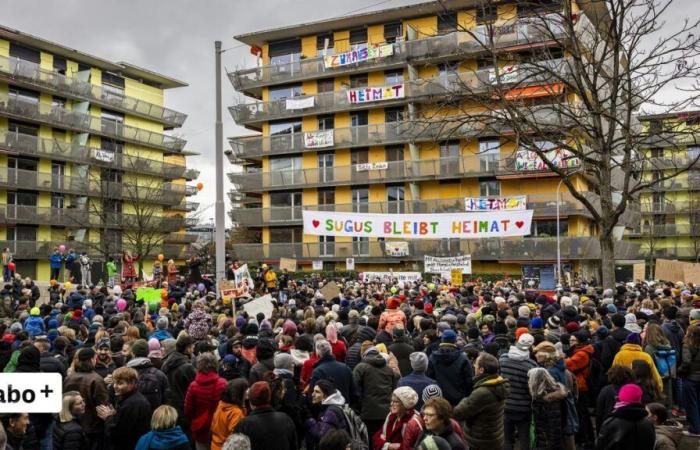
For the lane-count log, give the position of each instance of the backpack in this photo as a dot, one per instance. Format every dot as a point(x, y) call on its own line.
point(150, 387)
point(665, 361)
point(356, 428)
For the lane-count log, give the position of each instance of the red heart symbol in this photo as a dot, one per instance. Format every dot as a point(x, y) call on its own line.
point(519, 223)
point(315, 223)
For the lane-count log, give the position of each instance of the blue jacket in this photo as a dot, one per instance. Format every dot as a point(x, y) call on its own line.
point(75, 300)
point(56, 260)
point(327, 368)
point(34, 325)
point(417, 381)
point(162, 335)
point(453, 372)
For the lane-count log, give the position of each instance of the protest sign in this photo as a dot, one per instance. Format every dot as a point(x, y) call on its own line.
point(103, 155)
point(349, 263)
point(638, 272)
point(517, 202)
point(318, 139)
point(383, 165)
point(289, 264)
point(330, 290)
point(419, 226)
point(375, 94)
point(388, 276)
point(691, 273)
point(669, 270)
point(456, 276)
point(299, 102)
point(227, 291)
point(260, 305)
point(529, 161)
point(396, 248)
point(317, 265)
point(358, 55)
point(433, 264)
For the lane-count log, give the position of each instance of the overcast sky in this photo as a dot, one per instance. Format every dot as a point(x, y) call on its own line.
point(176, 38)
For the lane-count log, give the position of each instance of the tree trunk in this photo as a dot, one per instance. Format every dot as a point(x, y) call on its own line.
point(607, 260)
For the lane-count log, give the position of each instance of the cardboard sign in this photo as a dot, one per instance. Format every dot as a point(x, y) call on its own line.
point(317, 265)
point(669, 270)
point(691, 273)
point(456, 276)
point(289, 264)
point(491, 224)
point(260, 305)
point(638, 272)
point(349, 263)
point(330, 290)
point(433, 264)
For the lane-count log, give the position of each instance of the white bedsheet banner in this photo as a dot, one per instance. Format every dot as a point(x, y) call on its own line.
point(419, 226)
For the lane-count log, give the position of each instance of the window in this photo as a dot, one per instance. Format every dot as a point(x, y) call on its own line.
point(548, 228)
point(111, 175)
point(489, 153)
point(22, 233)
point(17, 127)
point(393, 77)
point(113, 85)
point(327, 245)
point(393, 114)
point(360, 246)
point(448, 68)
point(326, 197)
point(358, 81)
point(22, 163)
point(325, 167)
point(486, 13)
point(449, 157)
point(58, 174)
point(287, 127)
point(358, 118)
point(285, 170)
point(25, 53)
point(394, 152)
point(447, 22)
point(284, 53)
point(113, 206)
point(530, 8)
point(359, 156)
point(112, 145)
point(22, 198)
point(59, 65)
point(395, 197)
point(24, 95)
point(286, 91)
point(489, 188)
point(693, 152)
point(657, 152)
point(326, 122)
point(58, 102)
point(358, 122)
point(484, 63)
point(656, 126)
point(325, 85)
point(112, 116)
point(285, 206)
point(285, 235)
point(360, 200)
point(324, 44)
point(393, 32)
point(358, 37)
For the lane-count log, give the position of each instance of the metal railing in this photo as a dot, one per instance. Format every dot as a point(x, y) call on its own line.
point(681, 229)
point(670, 162)
point(181, 238)
point(72, 151)
point(545, 205)
point(673, 252)
point(673, 139)
point(423, 89)
point(670, 207)
point(27, 109)
point(186, 206)
point(517, 249)
point(43, 249)
point(32, 74)
point(458, 43)
point(191, 174)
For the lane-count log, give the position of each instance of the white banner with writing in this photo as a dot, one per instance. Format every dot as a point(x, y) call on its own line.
point(473, 225)
point(389, 276)
point(299, 102)
point(434, 264)
point(318, 139)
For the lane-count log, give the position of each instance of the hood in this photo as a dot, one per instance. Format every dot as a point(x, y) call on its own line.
point(496, 383)
point(672, 431)
point(140, 362)
point(619, 335)
point(631, 348)
point(633, 412)
point(375, 359)
point(516, 354)
point(174, 360)
point(166, 439)
point(206, 378)
point(446, 354)
point(334, 399)
point(588, 348)
point(299, 357)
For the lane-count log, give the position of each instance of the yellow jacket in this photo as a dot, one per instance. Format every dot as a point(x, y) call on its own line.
point(270, 279)
point(631, 352)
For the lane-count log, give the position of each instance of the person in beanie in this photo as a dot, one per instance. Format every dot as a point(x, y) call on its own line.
point(578, 363)
point(401, 349)
point(627, 427)
point(153, 384)
point(104, 364)
point(514, 367)
point(375, 381)
point(202, 399)
point(264, 355)
point(451, 369)
point(266, 428)
point(403, 425)
point(417, 379)
point(481, 413)
point(391, 316)
point(34, 325)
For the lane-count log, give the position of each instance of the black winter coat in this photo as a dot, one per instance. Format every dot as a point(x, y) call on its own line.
point(611, 345)
point(452, 371)
point(131, 421)
point(627, 429)
point(259, 369)
point(180, 373)
point(376, 382)
point(605, 403)
point(268, 430)
point(549, 423)
point(69, 436)
point(519, 402)
point(402, 350)
point(327, 368)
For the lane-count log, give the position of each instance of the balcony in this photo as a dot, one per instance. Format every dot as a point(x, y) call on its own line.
point(191, 222)
point(42, 249)
point(43, 181)
point(386, 172)
point(181, 238)
point(25, 109)
point(24, 144)
point(524, 250)
point(681, 229)
point(545, 205)
point(677, 184)
point(460, 43)
point(672, 139)
point(677, 162)
point(672, 252)
point(190, 174)
point(675, 207)
point(18, 71)
point(186, 206)
point(422, 90)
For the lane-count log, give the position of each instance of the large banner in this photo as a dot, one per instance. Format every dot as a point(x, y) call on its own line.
point(515, 203)
point(375, 94)
point(359, 55)
point(318, 139)
point(389, 276)
point(419, 226)
point(529, 161)
point(434, 264)
point(299, 102)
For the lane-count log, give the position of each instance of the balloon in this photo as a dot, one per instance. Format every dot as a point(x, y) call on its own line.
point(121, 304)
point(200, 287)
point(393, 289)
point(61, 248)
point(11, 266)
point(161, 257)
point(68, 285)
point(431, 286)
point(200, 186)
point(52, 282)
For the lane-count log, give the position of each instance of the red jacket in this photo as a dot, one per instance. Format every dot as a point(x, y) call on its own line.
point(578, 365)
point(404, 431)
point(201, 401)
point(307, 369)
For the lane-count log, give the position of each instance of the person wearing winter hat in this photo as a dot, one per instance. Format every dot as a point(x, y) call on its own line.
point(34, 324)
point(578, 363)
point(404, 424)
point(392, 316)
point(104, 364)
point(267, 428)
point(417, 379)
point(401, 349)
point(631, 324)
point(153, 383)
point(449, 366)
point(627, 426)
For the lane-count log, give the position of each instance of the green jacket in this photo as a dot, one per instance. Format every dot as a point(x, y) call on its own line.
point(481, 414)
point(111, 268)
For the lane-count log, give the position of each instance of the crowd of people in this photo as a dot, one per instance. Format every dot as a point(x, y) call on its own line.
point(383, 365)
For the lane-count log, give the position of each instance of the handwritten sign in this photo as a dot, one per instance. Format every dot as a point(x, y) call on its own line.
point(514, 203)
point(318, 139)
point(103, 155)
point(349, 263)
point(371, 166)
point(396, 248)
point(317, 265)
point(434, 264)
point(289, 264)
point(359, 55)
point(389, 276)
point(260, 305)
point(638, 272)
point(529, 161)
point(456, 276)
point(330, 290)
point(375, 94)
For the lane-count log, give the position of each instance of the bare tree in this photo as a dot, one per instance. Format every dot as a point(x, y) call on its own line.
point(564, 87)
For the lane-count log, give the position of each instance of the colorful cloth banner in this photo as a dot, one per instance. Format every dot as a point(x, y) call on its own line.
point(396, 248)
point(359, 55)
point(529, 161)
point(434, 264)
point(299, 102)
point(389, 276)
point(318, 139)
point(375, 94)
point(419, 226)
point(515, 203)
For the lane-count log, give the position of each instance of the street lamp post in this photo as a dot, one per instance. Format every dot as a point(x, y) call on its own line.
point(220, 213)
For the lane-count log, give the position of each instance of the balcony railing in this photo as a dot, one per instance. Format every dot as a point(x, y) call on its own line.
point(191, 174)
point(26, 109)
point(419, 90)
point(43, 181)
point(72, 151)
point(673, 139)
point(690, 252)
point(545, 205)
point(677, 183)
point(186, 206)
point(685, 229)
point(181, 238)
point(42, 249)
point(672, 162)
point(30, 73)
point(521, 250)
point(391, 171)
point(675, 207)
point(191, 222)
point(459, 43)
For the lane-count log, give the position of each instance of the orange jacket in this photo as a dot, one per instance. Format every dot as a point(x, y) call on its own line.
point(578, 365)
point(226, 417)
point(390, 318)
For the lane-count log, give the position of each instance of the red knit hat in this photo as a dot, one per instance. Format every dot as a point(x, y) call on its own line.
point(428, 308)
point(392, 303)
point(259, 394)
point(520, 331)
point(572, 327)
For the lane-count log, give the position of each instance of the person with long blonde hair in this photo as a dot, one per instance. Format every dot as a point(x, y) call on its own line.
point(68, 433)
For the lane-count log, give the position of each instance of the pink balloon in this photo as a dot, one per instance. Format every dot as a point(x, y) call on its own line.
point(121, 304)
point(61, 248)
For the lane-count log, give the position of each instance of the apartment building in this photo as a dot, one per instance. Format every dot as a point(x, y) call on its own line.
point(85, 160)
point(670, 224)
point(333, 105)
